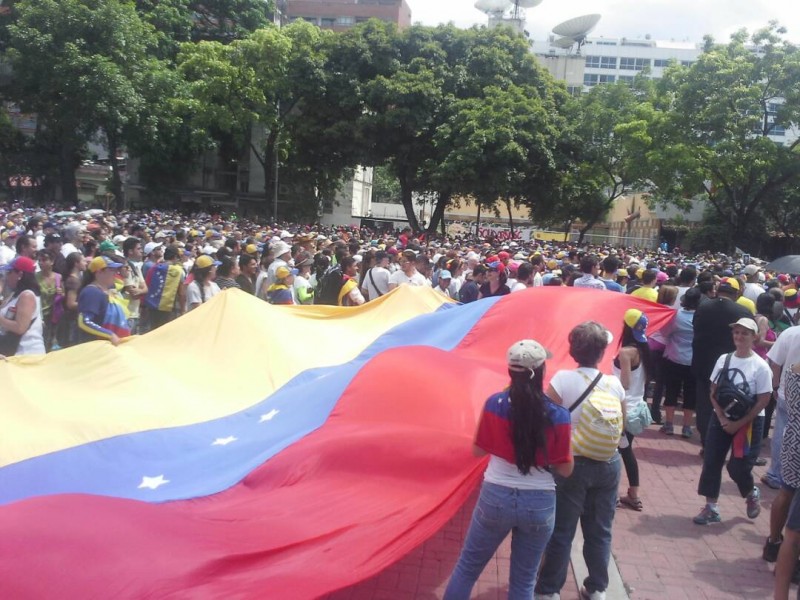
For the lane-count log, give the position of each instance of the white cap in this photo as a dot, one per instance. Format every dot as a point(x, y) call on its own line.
point(151, 246)
point(751, 270)
point(280, 248)
point(527, 354)
point(747, 323)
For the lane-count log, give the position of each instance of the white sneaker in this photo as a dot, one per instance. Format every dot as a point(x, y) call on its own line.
point(555, 596)
point(585, 595)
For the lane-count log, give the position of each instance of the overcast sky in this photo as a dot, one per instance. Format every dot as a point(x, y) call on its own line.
point(662, 19)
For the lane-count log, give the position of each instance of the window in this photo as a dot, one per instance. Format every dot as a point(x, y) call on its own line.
point(772, 108)
point(608, 62)
point(601, 62)
point(591, 79)
point(686, 63)
point(574, 90)
point(627, 79)
point(346, 21)
point(327, 22)
point(633, 64)
point(602, 43)
point(778, 130)
point(661, 62)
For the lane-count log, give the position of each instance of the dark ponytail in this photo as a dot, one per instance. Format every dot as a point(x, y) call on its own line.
point(644, 351)
point(529, 420)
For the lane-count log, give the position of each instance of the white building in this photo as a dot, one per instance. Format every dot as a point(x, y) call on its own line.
point(609, 60)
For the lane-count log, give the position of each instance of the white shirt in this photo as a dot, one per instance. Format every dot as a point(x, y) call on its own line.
point(68, 249)
point(416, 279)
point(6, 255)
point(538, 281)
point(752, 291)
point(784, 352)
point(210, 289)
point(755, 369)
point(570, 384)
point(32, 341)
point(381, 278)
point(518, 287)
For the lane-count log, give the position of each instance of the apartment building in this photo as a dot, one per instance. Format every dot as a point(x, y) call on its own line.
point(340, 15)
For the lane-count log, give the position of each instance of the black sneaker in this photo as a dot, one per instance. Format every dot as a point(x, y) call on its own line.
point(770, 553)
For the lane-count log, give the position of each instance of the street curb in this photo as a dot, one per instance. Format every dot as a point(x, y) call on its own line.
point(616, 587)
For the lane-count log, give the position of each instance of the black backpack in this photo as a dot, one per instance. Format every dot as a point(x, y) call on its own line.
point(330, 285)
point(733, 392)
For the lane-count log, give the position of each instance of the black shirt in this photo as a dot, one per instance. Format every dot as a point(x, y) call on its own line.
point(712, 333)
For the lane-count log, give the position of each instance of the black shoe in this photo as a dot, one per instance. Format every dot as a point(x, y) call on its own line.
point(770, 553)
point(656, 417)
point(761, 461)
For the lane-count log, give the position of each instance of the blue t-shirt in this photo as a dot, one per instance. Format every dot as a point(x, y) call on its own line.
point(612, 286)
point(92, 307)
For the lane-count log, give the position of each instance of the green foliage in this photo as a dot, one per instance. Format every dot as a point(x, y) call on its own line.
point(712, 131)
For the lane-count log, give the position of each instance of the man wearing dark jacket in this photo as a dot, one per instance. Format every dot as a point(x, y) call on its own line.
point(712, 338)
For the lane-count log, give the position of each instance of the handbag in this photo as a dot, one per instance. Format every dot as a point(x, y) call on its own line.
point(733, 398)
point(638, 418)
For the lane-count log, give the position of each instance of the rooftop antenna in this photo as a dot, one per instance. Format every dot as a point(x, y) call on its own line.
point(518, 4)
point(575, 31)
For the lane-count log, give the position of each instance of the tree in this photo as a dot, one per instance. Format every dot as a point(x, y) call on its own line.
point(500, 146)
point(254, 87)
point(79, 64)
point(712, 136)
point(223, 21)
point(610, 129)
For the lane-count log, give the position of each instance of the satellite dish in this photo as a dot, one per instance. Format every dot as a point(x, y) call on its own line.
point(527, 3)
point(493, 6)
point(577, 28)
point(564, 42)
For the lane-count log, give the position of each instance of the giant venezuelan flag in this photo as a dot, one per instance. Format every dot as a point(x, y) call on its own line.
point(254, 451)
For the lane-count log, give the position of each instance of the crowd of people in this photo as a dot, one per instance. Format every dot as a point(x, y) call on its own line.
point(556, 455)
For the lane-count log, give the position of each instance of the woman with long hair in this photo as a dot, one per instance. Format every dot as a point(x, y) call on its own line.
point(632, 367)
point(203, 287)
point(67, 328)
point(527, 437)
point(52, 295)
point(21, 312)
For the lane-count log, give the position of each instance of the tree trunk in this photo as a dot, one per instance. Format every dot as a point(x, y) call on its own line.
point(406, 195)
point(438, 213)
point(116, 180)
point(67, 165)
point(510, 216)
point(478, 221)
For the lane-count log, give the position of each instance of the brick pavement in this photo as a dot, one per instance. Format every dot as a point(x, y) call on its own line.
point(660, 553)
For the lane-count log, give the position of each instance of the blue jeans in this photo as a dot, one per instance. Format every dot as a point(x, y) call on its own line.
point(781, 416)
point(589, 495)
point(718, 443)
point(529, 516)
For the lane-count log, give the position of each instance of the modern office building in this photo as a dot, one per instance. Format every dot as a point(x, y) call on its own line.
point(608, 60)
point(340, 15)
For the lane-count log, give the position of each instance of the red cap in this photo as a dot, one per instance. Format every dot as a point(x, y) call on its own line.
point(503, 255)
point(21, 263)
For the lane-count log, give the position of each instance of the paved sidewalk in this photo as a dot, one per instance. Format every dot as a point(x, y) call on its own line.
point(660, 553)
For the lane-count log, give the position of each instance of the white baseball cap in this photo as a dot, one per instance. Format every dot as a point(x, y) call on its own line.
point(527, 354)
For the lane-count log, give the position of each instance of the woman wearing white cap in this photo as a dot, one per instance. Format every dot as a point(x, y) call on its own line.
point(527, 437)
point(741, 386)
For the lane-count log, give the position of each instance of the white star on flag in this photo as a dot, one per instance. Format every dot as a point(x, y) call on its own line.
point(152, 482)
point(224, 441)
point(268, 416)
